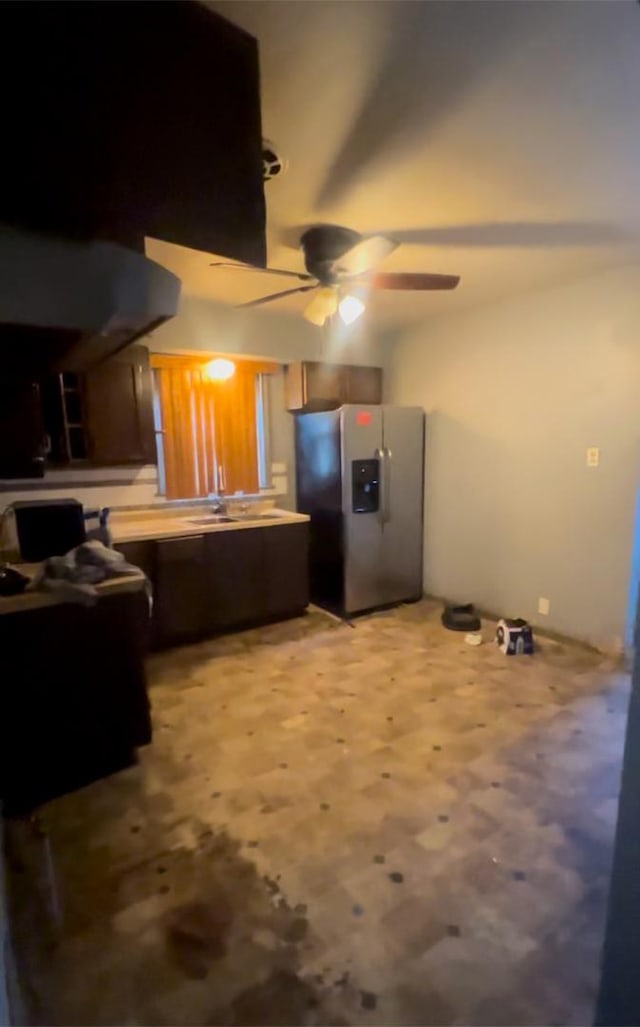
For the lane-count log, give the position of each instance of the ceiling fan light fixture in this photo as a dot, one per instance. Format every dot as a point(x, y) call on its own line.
point(314, 316)
point(323, 305)
point(350, 309)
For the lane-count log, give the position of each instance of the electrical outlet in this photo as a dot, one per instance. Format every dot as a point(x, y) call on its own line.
point(544, 606)
point(593, 456)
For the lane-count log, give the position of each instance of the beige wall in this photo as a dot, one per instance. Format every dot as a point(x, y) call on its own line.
point(203, 325)
point(515, 393)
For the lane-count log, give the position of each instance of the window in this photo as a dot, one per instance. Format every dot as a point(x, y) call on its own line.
point(212, 436)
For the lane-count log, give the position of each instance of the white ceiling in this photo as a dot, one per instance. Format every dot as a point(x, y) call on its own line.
point(455, 123)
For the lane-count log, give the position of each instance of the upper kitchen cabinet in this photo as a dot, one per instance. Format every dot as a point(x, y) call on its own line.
point(312, 386)
point(126, 120)
point(23, 443)
point(363, 384)
point(104, 416)
point(118, 399)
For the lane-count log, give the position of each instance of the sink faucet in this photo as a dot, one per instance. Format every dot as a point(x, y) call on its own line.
point(219, 506)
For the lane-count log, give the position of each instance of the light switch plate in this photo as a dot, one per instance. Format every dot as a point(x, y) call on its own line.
point(593, 456)
point(544, 606)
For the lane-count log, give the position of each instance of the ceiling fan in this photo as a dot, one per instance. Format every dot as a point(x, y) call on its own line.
point(340, 267)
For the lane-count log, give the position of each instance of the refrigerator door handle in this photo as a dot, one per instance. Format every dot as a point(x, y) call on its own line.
point(386, 497)
point(381, 457)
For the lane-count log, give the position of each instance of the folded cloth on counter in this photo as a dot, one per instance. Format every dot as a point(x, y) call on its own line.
point(78, 572)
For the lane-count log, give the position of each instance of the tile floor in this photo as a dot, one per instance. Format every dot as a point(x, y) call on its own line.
point(368, 824)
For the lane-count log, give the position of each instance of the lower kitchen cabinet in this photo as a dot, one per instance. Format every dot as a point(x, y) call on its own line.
point(140, 554)
point(207, 584)
point(234, 578)
point(180, 602)
point(286, 568)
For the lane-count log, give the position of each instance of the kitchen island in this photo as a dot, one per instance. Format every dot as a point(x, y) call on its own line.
point(213, 573)
point(73, 701)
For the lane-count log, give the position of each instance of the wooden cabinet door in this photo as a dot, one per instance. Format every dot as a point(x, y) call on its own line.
point(119, 409)
point(141, 554)
point(324, 386)
point(180, 602)
point(234, 578)
point(171, 148)
point(294, 386)
point(363, 384)
point(286, 568)
point(22, 437)
point(312, 385)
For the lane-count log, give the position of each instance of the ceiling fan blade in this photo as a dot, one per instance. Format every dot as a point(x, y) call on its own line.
point(262, 270)
point(364, 256)
point(414, 281)
point(516, 234)
point(277, 296)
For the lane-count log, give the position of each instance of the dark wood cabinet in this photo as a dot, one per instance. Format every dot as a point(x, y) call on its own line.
point(180, 599)
point(256, 574)
point(208, 584)
point(132, 120)
point(323, 384)
point(140, 554)
point(312, 386)
point(77, 708)
point(105, 416)
point(22, 432)
point(118, 402)
point(234, 573)
point(64, 414)
point(363, 384)
point(286, 568)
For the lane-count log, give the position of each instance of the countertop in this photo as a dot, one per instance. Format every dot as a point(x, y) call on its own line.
point(170, 523)
point(37, 599)
point(142, 525)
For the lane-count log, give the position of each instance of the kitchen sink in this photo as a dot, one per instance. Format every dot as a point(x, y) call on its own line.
point(212, 519)
point(235, 519)
point(265, 516)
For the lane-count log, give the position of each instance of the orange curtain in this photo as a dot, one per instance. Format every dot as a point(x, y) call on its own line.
point(209, 427)
point(188, 433)
point(236, 431)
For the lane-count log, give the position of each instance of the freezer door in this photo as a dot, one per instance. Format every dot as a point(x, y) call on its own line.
point(361, 506)
point(319, 494)
point(403, 496)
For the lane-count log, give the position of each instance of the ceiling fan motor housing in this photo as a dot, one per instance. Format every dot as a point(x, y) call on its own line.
point(322, 246)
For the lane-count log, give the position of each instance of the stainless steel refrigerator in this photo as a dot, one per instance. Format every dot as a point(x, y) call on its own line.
point(360, 477)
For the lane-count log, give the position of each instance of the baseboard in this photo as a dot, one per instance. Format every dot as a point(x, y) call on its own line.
point(623, 658)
